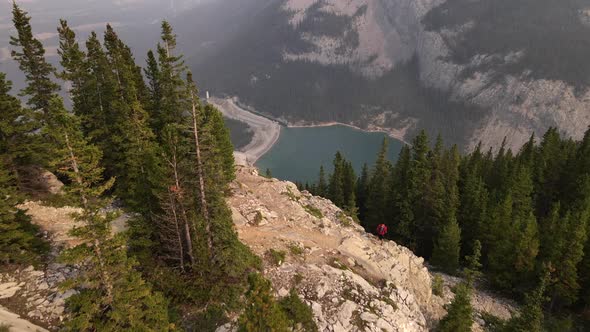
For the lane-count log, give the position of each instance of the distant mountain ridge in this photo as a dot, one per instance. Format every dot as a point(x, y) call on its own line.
point(471, 70)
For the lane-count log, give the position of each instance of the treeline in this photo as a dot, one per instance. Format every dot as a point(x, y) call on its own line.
point(528, 210)
point(141, 136)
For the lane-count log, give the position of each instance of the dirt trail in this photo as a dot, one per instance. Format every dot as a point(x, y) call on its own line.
point(266, 131)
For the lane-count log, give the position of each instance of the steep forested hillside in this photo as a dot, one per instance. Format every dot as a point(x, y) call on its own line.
point(527, 214)
point(143, 138)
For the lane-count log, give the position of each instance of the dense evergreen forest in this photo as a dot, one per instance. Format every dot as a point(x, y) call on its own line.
point(524, 213)
point(140, 136)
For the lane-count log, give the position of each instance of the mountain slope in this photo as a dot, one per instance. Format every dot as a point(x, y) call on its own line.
point(469, 70)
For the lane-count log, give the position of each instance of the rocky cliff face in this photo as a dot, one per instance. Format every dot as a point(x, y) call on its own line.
point(374, 36)
point(351, 280)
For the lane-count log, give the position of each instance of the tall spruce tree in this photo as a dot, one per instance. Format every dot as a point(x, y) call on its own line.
point(19, 243)
point(377, 198)
point(19, 148)
point(362, 190)
point(75, 68)
point(402, 214)
point(419, 181)
point(112, 295)
point(30, 55)
point(459, 312)
point(336, 184)
point(531, 315)
point(322, 187)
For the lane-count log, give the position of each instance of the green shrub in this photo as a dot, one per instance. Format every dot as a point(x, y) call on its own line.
point(314, 211)
point(437, 285)
point(296, 250)
point(258, 218)
point(277, 257)
point(299, 313)
point(4, 327)
point(262, 311)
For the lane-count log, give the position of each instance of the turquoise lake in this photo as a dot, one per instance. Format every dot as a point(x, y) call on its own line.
point(299, 152)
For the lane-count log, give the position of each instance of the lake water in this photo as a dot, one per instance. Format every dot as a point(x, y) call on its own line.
point(299, 152)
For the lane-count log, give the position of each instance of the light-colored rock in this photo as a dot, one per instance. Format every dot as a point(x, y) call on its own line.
point(8, 289)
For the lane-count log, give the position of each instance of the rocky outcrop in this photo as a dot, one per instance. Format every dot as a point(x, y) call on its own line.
point(352, 280)
point(36, 294)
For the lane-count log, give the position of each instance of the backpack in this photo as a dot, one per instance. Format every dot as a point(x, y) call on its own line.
point(382, 229)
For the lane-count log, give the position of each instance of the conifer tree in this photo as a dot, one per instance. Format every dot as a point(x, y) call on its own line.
point(170, 83)
point(473, 264)
point(153, 75)
point(419, 181)
point(75, 67)
point(447, 248)
point(133, 143)
point(18, 147)
point(459, 312)
point(262, 312)
point(362, 189)
point(322, 187)
point(336, 185)
point(19, 243)
point(401, 208)
point(349, 189)
point(30, 55)
point(531, 315)
point(113, 296)
point(100, 121)
point(377, 198)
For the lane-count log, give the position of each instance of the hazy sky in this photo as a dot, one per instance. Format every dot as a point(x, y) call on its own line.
point(136, 21)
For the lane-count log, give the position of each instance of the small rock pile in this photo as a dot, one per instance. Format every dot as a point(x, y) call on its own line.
point(35, 293)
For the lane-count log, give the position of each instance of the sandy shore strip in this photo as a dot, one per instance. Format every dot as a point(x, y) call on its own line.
point(17, 324)
point(266, 131)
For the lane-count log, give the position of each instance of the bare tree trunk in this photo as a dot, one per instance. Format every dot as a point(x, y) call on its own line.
point(178, 235)
point(199, 166)
point(187, 232)
point(108, 285)
point(74, 164)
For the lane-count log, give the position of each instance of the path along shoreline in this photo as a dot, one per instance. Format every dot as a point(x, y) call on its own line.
point(267, 130)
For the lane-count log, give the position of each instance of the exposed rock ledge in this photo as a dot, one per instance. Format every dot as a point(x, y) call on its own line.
point(352, 280)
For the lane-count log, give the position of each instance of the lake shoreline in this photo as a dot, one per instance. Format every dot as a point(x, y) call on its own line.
point(267, 129)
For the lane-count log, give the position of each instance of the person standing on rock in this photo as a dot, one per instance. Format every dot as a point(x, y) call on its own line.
point(381, 231)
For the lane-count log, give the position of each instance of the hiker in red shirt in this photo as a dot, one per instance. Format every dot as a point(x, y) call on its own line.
point(381, 231)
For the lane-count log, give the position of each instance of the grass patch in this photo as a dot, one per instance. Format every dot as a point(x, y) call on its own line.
point(277, 257)
point(4, 327)
point(336, 263)
point(437, 285)
point(297, 278)
point(314, 211)
point(289, 193)
point(296, 250)
point(344, 219)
